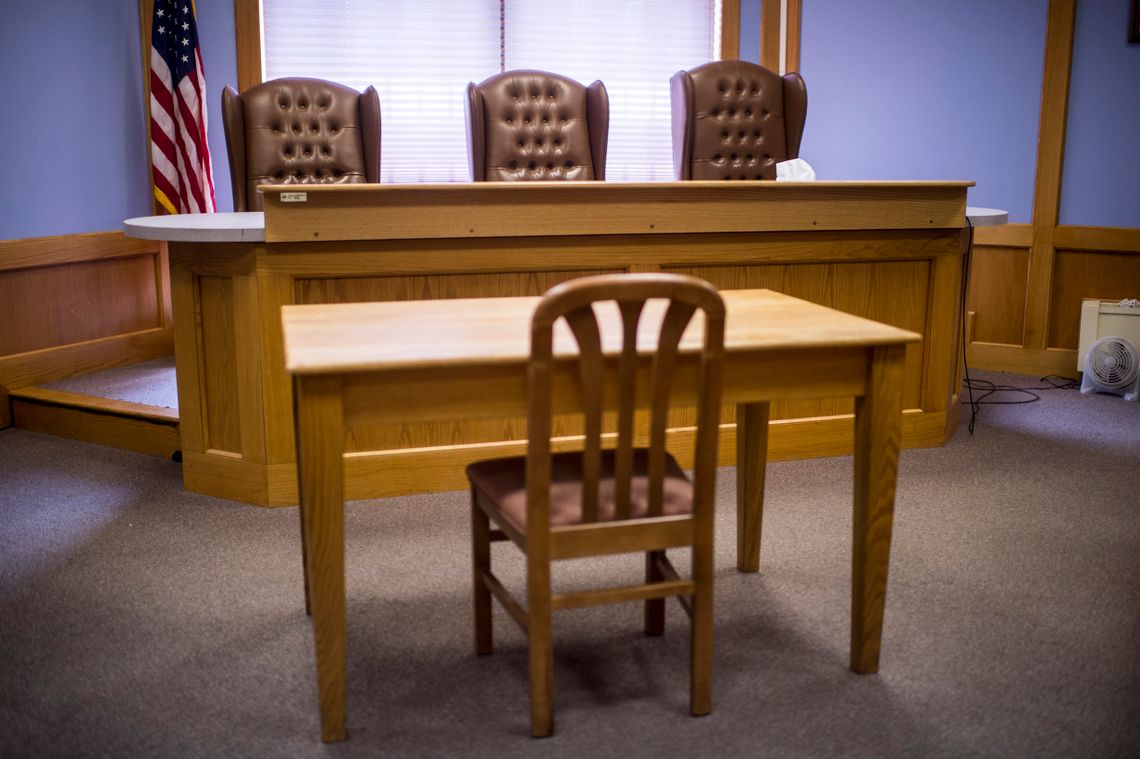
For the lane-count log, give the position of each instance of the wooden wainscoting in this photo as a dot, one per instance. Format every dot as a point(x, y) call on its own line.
point(75, 304)
point(1085, 262)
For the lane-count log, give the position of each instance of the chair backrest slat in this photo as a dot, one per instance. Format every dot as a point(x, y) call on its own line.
point(574, 302)
point(583, 323)
point(539, 402)
point(627, 386)
point(664, 364)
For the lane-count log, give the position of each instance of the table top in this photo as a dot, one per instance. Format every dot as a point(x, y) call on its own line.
point(986, 217)
point(351, 337)
point(245, 226)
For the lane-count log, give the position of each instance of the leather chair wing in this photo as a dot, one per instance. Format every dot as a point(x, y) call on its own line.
point(535, 126)
point(299, 131)
point(476, 134)
point(795, 112)
point(735, 120)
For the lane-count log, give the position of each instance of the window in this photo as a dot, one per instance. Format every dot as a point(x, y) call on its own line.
point(420, 55)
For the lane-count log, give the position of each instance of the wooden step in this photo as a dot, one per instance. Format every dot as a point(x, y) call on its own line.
point(152, 430)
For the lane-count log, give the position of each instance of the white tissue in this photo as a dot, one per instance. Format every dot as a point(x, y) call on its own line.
point(795, 170)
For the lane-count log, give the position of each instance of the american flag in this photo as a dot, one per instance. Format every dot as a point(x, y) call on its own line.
point(179, 154)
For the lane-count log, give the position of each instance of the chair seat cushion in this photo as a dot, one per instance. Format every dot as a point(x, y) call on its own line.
point(503, 484)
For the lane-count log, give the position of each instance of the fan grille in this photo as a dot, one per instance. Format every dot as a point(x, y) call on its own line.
point(1112, 361)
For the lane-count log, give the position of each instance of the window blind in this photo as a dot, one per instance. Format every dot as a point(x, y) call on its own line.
point(633, 47)
point(420, 55)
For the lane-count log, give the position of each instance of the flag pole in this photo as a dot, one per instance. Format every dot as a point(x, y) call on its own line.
point(146, 13)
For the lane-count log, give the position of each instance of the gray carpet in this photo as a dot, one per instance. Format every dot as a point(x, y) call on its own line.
point(140, 620)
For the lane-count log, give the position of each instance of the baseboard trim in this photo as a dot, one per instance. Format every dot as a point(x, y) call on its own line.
point(144, 429)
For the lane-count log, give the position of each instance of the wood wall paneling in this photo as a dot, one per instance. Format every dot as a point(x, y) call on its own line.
point(942, 370)
point(34, 252)
point(219, 367)
point(272, 294)
point(250, 61)
point(729, 29)
point(1086, 262)
point(794, 19)
point(1109, 239)
point(1050, 159)
point(1084, 274)
point(435, 286)
point(996, 273)
point(780, 22)
point(71, 304)
point(770, 12)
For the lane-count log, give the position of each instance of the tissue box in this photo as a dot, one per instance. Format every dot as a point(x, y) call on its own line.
point(795, 170)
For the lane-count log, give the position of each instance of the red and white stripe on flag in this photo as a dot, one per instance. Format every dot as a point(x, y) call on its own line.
point(180, 156)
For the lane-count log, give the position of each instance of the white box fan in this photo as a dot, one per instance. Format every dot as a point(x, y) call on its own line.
point(1109, 348)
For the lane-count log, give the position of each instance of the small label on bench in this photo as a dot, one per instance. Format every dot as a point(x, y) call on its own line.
point(294, 197)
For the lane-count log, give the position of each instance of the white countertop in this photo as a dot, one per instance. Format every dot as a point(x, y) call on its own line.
point(246, 226)
point(986, 217)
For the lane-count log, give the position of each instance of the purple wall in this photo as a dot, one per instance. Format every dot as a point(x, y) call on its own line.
point(218, 38)
point(926, 89)
point(77, 155)
point(1101, 180)
point(74, 160)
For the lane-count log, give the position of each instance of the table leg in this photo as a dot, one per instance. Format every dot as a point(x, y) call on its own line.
point(301, 503)
point(320, 462)
point(751, 463)
point(878, 429)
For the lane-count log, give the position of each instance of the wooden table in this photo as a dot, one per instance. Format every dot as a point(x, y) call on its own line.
point(887, 251)
point(359, 365)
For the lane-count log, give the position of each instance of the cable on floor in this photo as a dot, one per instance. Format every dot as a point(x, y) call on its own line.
point(1024, 394)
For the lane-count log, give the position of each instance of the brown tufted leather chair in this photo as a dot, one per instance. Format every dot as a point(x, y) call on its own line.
point(300, 131)
point(735, 120)
point(534, 125)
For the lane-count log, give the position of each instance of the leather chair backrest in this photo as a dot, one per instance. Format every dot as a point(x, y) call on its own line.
point(735, 120)
point(300, 131)
point(534, 125)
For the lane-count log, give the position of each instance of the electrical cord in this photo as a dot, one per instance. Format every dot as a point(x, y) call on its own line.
point(985, 387)
point(962, 318)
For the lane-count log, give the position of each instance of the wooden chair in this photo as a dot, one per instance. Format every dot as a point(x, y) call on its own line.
point(596, 501)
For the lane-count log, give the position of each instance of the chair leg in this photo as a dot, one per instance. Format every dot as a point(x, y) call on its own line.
point(541, 649)
point(654, 608)
point(481, 561)
point(700, 689)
